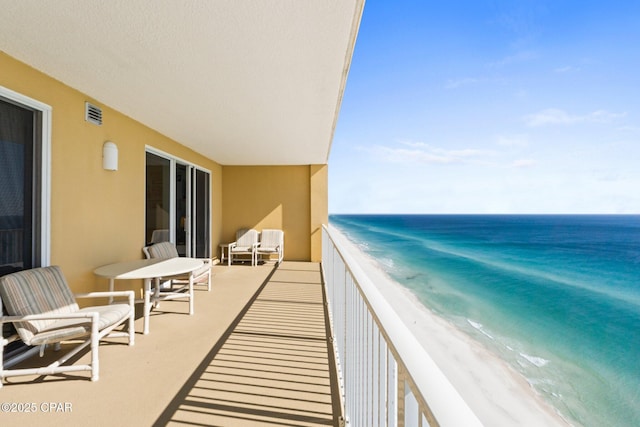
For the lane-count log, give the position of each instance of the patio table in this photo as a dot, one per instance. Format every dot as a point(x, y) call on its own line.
point(152, 269)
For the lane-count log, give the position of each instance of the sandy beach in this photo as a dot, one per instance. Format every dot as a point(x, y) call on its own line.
point(497, 394)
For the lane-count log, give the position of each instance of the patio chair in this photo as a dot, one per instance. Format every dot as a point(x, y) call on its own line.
point(43, 310)
point(271, 242)
point(245, 244)
point(166, 250)
point(158, 236)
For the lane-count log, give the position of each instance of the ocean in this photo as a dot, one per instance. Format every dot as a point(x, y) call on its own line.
point(555, 296)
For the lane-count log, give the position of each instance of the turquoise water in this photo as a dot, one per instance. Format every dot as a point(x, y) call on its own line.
point(557, 297)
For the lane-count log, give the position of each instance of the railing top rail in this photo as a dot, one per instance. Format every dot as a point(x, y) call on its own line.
point(443, 400)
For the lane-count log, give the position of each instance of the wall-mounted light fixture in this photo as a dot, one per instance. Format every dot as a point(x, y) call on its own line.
point(110, 156)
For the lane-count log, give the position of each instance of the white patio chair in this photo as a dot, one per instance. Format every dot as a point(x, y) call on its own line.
point(43, 310)
point(245, 244)
point(166, 250)
point(271, 242)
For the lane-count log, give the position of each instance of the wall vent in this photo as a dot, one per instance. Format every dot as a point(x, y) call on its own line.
point(92, 114)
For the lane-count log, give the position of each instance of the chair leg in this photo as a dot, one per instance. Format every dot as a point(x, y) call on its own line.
point(132, 318)
point(147, 306)
point(95, 342)
point(3, 342)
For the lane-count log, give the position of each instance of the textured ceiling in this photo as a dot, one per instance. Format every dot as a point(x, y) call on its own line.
point(242, 82)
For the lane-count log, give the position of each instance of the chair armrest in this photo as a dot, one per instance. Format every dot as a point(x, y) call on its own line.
point(129, 294)
point(50, 316)
point(105, 294)
point(232, 245)
point(9, 339)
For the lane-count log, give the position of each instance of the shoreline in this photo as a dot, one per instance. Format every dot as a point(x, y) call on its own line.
point(497, 394)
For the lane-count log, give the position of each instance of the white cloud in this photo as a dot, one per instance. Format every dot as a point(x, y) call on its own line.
point(550, 116)
point(456, 83)
point(566, 69)
point(512, 140)
point(629, 128)
point(523, 56)
point(554, 116)
point(523, 163)
point(424, 153)
point(602, 116)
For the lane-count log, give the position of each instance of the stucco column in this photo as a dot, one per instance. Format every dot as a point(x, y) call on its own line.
point(319, 207)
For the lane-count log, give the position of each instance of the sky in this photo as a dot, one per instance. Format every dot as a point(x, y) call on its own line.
point(491, 107)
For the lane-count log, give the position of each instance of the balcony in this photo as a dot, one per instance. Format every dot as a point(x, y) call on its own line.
point(254, 353)
point(260, 350)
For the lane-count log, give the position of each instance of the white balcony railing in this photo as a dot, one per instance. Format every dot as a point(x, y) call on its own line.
point(386, 376)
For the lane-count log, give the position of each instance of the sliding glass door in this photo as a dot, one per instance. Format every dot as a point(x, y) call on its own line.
point(158, 199)
point(21, 179)
point(178, 205)
point(201, 221)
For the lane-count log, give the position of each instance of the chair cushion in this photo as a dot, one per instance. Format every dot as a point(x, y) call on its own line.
point(201, 275)
point(59, 334)
point(243, 249)
point(163, 250)
point(66, 329)
point(36, 291)
point(267, 250)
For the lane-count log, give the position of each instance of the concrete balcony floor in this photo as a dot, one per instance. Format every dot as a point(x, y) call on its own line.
point(254, 353)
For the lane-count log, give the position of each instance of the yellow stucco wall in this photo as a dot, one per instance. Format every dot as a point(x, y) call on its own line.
point(97, 216)
point(319, 199)
point(269, 197)
point(291, 198)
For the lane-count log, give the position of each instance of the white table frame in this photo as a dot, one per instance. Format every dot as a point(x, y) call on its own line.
point(223, 247)
point(152, 269)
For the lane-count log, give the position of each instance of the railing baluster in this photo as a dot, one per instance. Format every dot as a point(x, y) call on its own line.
point(392, 390)
point(387, 378)
point(375, 376)
point(411, 410)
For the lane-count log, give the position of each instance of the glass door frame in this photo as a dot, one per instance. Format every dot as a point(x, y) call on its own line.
point(191, 169)
point(42, 171)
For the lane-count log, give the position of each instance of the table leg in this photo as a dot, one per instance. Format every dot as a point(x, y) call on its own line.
point(147, 305)
point(191, 293)
point(222, 248)
point(111, 288)
point(156, 294)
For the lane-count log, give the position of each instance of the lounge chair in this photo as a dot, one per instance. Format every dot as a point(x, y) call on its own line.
point(166, 250)
point(43, 310)
point(271, 242)
point(245, 244)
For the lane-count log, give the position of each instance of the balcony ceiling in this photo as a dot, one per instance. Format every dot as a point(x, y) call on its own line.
point(243, 82)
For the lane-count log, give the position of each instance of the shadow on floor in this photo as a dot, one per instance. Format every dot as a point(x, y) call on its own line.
point(272, 365)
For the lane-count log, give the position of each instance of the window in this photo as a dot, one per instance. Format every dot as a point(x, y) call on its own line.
point(177, 204)
point(24, 182)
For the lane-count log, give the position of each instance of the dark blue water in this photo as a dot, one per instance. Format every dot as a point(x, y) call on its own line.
point(558, 297)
